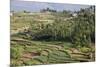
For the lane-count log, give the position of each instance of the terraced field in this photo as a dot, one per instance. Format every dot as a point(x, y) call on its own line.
point(26, 51)
point(41, 52)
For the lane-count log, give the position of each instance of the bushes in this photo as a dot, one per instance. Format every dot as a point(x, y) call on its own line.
point(85, 49)
point(16, 52)
point(84, 30)
point(54, 31)
point(80, 30)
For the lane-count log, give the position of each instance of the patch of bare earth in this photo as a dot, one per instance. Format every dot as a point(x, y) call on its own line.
point(30, 55)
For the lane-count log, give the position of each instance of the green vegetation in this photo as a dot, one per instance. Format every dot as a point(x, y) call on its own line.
point(50, 37)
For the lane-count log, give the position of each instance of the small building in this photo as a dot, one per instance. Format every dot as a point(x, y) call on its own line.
point(74, 14)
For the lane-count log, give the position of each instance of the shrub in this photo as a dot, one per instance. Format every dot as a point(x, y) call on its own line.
point(16, 52)
point(85, 49)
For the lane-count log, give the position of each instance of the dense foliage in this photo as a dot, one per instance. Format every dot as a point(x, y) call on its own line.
point(80, 30)
point(84, 33)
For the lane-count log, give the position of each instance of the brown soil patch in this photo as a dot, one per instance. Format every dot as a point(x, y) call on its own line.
point(30, 54)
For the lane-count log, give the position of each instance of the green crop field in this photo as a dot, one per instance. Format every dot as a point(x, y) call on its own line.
point(52, 37)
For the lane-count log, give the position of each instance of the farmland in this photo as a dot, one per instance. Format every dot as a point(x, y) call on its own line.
point(52, 37)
